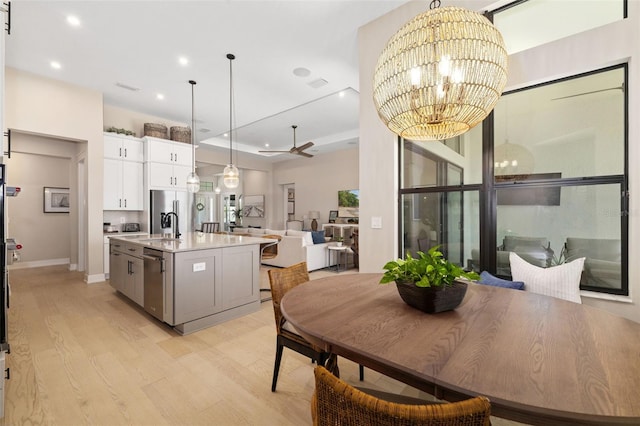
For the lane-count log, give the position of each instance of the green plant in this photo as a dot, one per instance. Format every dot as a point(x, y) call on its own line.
point(429, 269)
point(338, 238)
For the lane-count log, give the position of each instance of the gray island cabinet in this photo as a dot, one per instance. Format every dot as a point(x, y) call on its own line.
point(190, 283)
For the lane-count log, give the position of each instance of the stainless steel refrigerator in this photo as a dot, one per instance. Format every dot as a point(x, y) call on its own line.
point(179, 202)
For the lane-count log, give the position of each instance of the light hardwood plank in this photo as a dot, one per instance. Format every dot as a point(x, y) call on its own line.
point(85, 355)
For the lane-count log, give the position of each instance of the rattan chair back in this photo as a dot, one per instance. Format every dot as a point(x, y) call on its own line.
point(270, 250)
point(281, 281)
point(337, 403)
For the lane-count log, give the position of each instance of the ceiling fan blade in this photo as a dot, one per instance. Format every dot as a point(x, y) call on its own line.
point(589, 93)
point(305, 146)
point(274, 151)
point(304, 154)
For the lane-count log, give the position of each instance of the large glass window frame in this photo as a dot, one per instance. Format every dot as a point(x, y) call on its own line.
point(487, 195)
point(519, 21)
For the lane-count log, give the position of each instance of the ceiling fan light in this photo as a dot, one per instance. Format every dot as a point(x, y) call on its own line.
point(231, 177)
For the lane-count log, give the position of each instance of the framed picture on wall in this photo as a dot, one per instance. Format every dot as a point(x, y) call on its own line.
point(253, 206)
point(56, 200)
point(333, 215)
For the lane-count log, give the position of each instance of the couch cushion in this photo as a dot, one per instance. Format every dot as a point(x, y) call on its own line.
point(488, 279)
point(306, 236)
point(318, 237)
point(562, 281)
point(594, 248)
point(524, 244)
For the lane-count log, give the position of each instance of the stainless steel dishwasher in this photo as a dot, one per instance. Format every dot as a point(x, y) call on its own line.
point(154, 271)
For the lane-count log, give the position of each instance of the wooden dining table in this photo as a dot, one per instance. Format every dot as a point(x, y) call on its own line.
point(540, 360)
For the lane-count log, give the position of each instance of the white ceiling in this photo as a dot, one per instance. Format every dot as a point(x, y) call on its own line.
point(138, 43)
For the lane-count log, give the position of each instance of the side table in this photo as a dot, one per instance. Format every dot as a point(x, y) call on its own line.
point(340, 252)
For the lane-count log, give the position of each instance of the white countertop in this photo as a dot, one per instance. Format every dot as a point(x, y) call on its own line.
point(190, 241)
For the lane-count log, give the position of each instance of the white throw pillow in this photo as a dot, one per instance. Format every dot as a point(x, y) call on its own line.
point(562, 281)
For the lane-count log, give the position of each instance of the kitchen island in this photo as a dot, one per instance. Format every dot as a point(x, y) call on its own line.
point(192, 282)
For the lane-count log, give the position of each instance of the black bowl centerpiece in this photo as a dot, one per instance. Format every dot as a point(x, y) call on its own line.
point(428, 282)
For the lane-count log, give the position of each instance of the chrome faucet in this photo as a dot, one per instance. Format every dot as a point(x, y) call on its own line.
point(165, 222)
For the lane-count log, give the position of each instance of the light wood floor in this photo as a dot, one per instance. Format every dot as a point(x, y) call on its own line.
point(84, 355)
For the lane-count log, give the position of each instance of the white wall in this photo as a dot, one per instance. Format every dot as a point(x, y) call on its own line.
point(317, 182)
point(256, 182)
point(51, 108)
point(594, 49)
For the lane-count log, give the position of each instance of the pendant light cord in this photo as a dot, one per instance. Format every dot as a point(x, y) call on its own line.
point(231, 57)
point(193, 128)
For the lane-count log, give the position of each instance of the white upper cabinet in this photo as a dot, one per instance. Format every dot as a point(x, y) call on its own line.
point(124, 148)
point(167, 152)
point(123, 173)
point(167, 164)
point(123, 185)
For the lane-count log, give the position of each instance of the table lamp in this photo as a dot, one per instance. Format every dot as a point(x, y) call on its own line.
point(314, 223)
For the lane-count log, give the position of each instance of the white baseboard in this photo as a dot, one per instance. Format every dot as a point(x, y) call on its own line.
point(38, 263)
point(95, 278)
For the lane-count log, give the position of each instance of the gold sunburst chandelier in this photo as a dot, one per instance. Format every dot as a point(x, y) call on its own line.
point(440, 74)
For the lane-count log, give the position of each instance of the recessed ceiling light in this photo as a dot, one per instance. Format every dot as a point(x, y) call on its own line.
point(301, 72)
point(55, 65)
point(266, 145)
point(183, 61)
point(160, 96)
point(341, 94)
point(73, 21)
point(226, 135)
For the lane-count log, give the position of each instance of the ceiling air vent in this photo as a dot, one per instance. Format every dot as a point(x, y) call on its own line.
point(316, 84)
point(125, 86)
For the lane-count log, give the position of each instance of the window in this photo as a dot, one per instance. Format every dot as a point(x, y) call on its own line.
point(555, 191)
point(519, 22)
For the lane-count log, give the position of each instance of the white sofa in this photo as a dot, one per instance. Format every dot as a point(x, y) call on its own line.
point(294, 247)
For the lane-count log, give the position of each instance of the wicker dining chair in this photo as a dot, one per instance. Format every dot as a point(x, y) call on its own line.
point(269, 250)
point(337, 403)
point(210, 227)
point(282, 280)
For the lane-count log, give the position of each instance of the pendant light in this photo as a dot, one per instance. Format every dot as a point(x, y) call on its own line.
point(193, 181)
point(231, 175)
point(440, 74)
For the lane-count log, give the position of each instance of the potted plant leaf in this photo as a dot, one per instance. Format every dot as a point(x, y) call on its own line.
point(338, 239)
point(428, 282)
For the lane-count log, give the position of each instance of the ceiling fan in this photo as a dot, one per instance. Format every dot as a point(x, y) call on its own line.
point(297, 150)
point(621, 87)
